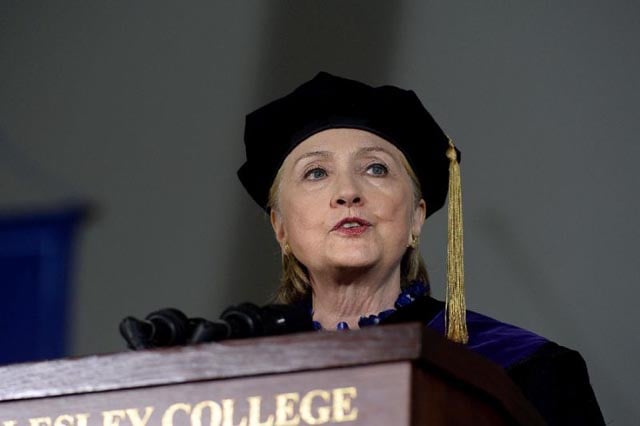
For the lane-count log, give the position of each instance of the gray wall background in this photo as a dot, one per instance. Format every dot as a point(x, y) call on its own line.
point(138, 107)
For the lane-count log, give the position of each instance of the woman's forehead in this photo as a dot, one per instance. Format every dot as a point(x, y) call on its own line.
point(340, 141)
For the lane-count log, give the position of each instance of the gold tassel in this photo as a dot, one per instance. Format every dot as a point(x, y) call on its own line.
point(456, 321)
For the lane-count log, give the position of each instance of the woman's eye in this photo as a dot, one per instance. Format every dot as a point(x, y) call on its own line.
point(315, 174)
point(377, 170)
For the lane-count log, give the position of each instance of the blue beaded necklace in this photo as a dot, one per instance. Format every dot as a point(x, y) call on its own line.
point(412, 292)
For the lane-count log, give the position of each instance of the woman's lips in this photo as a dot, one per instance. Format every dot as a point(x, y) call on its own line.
point(351, 226)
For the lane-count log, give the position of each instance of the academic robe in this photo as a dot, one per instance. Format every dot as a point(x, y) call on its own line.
point(553, 378)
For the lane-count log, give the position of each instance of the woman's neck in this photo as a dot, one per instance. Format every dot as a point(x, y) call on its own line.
point(343, 298)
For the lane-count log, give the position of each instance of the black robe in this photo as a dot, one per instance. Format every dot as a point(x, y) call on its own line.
point(553, 378)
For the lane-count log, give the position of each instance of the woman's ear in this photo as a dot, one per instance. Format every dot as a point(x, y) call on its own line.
point(278, 228)
point(419, 215)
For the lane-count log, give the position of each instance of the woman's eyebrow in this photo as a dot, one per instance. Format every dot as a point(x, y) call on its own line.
point(374, 149)
point(323, 154)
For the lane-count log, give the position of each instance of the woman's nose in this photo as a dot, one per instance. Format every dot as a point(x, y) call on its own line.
point(348, 201)
point(347, 194)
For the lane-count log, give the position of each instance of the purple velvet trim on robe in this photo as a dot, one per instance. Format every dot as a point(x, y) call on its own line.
point(501, 343)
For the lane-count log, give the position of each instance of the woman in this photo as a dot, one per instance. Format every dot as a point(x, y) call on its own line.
point(348, 174)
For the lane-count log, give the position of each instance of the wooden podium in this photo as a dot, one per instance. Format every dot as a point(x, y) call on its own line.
point(388, 375)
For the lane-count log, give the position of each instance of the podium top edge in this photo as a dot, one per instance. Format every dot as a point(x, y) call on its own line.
point(211, 361)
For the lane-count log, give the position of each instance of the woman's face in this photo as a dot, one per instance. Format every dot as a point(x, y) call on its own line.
point(346, 201)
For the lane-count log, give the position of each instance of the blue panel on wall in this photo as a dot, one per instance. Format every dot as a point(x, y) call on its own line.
point(35, 266)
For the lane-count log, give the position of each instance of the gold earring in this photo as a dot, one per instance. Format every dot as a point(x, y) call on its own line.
point(413, 241)
point(287, 249)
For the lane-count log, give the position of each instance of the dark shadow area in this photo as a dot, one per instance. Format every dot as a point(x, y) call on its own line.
point(301, 38)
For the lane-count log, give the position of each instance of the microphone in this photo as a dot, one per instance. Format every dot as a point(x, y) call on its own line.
point(249, 320)
point(165, 327)
point(170, 327)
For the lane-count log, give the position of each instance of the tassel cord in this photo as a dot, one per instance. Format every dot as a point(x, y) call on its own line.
point(455, 318)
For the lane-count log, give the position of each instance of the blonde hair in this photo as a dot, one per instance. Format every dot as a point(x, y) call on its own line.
point(294, 282)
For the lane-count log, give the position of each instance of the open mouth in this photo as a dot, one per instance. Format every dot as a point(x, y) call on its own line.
point(351, 226)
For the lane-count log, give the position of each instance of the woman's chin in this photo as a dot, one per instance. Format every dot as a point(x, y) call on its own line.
point(354, 262)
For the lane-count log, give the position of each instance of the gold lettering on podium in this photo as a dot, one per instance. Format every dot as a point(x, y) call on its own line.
point(228, 408)
point(113, 417)
point(64, 420)
point(82, 419)
point(315, 407)
point(167, 417)
point(215, 413)
point(255, 403)
point(286, 409)
point(323, 412)
point(134, 416)
point(342, 410)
